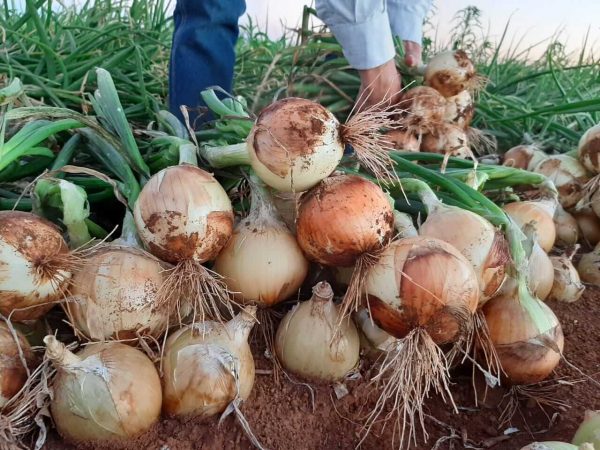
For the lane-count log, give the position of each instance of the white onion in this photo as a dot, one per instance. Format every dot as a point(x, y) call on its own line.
point(106, 392)
point(452, 72)
point(314, 342)
point(567, 286)
point(567, 174)
point(525, 157)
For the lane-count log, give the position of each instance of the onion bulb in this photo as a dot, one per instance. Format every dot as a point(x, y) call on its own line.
point(184, 217)
point(422, 282)
point(567, 231)
point(460, 109)
point(589, 267)
point(525, 157)
point(568, 175)
point(114, 295)
point(376, 338)
point(106, 392)
point(35, 265)
point(403, 140)
point(476, 238)
point(554, 445)
point(452, 72)
point(423, 108)
point(588, 149)
point(13, 373)
point(527, 353)
point(538, 217)
point(310, 343)
point(567, 286)
point(262, 262)
point(208, 365)
point(589, 225)
point(446, 138)
point(343, 218)
point(540, 275)
point(589, 430)
point(295, 143)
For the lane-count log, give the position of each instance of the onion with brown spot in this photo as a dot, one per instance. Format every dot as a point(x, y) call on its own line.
point(35, 265)
point(403, 140)
point(568, 175)
point(423, 109)
point(525, 157)
point(447, 139)
point(460, 109)
point(107, 392)
point(452, 72)
point(538, 216)
point(588, 149)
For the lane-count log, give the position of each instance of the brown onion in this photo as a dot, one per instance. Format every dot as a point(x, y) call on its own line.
point(589, 149)
point(446, 138)
point(423, 108)
point(567, 286)
point(403, 140)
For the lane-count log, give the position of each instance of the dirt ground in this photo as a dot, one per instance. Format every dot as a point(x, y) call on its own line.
point(282, 415)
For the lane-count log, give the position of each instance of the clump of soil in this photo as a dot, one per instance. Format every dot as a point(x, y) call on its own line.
point(289, 415)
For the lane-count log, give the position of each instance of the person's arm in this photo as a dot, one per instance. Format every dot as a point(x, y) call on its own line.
point(406, 20)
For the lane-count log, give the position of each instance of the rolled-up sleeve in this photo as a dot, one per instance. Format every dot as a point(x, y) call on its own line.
point(406, 18)
point(362, 27)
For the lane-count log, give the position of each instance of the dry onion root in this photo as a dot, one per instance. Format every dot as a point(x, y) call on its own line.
point(36, 265)
point(525, 157)
point(342, 222)
point(106, 392)
point(567, 286)
point(185, 218)
point(309, 342)
point(115, 295)
point(424, 292)
point(568, 175)
point(452, 72)
point(295, 143)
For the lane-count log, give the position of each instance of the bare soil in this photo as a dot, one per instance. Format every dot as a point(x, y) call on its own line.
point(283, 416)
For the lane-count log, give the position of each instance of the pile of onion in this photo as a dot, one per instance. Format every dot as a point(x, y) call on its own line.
point(452, 72)
point(309, 342)
point(106, 392)
point(525, 157)
point(15, 355)
point(36, 265)
point(262, 262)
point(424, 292)
point(568, 175)
point(342, 222)
point(184, 217)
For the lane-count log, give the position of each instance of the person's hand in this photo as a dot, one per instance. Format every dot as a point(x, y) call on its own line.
point(382, 84)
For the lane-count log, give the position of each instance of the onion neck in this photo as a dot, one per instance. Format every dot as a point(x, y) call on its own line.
point(322, 295)
point(226, 156)
point(58, 353)
point(262, 211)
point(404, 225)
point(424, 192)
point(187, 154)
point(129, 235)
point(240, 326)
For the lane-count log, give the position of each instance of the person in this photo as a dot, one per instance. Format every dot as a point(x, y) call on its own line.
point(206, 31)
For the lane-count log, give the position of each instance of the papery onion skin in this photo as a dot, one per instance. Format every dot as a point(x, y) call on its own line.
point(567, 286)
point(517, 341)
point(530, 212)
point(422, 282)
point(342, 218)
point(35, 267)
point(106, 392)
point(460, 109)
point(294, 144)
point(477, 239)
point(568, 175)
point(183, 213)
point(447, 138)
point(589, 267)
point(450, 72)
point(13, 374)
point(305, 342)
point(589, 149)
point(567, 230)
point(425, 107)
point(197, 377)
point(525, 157)
point(114, 295)
point(589, 225)
point(589, 430)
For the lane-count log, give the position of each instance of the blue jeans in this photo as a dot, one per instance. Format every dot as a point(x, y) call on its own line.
point(203, 51)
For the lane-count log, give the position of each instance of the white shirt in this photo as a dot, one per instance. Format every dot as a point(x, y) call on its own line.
point(365, 28)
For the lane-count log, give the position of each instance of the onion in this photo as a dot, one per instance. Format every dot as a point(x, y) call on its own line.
point(105, 392)
point(423, 107)
point(295, 143)
point(538, 217)
point(525, 157)
point(589, 148)
point(262, 262)
point(452, 72)
point(589, 430)
point(403, 140)
point(567, 286)
point(13, 373)
point(460, 109)
point(184, 217)
point(567, 174)
point(114, 295)
point(540, 275)
point(589, 225)
point(446, 138)
point(567, 231)
point(208, 365)
point(376, 338)
point(589, 267)
point(310, 344)
point(35, 268)
point(553, 445)
point(527, 353)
